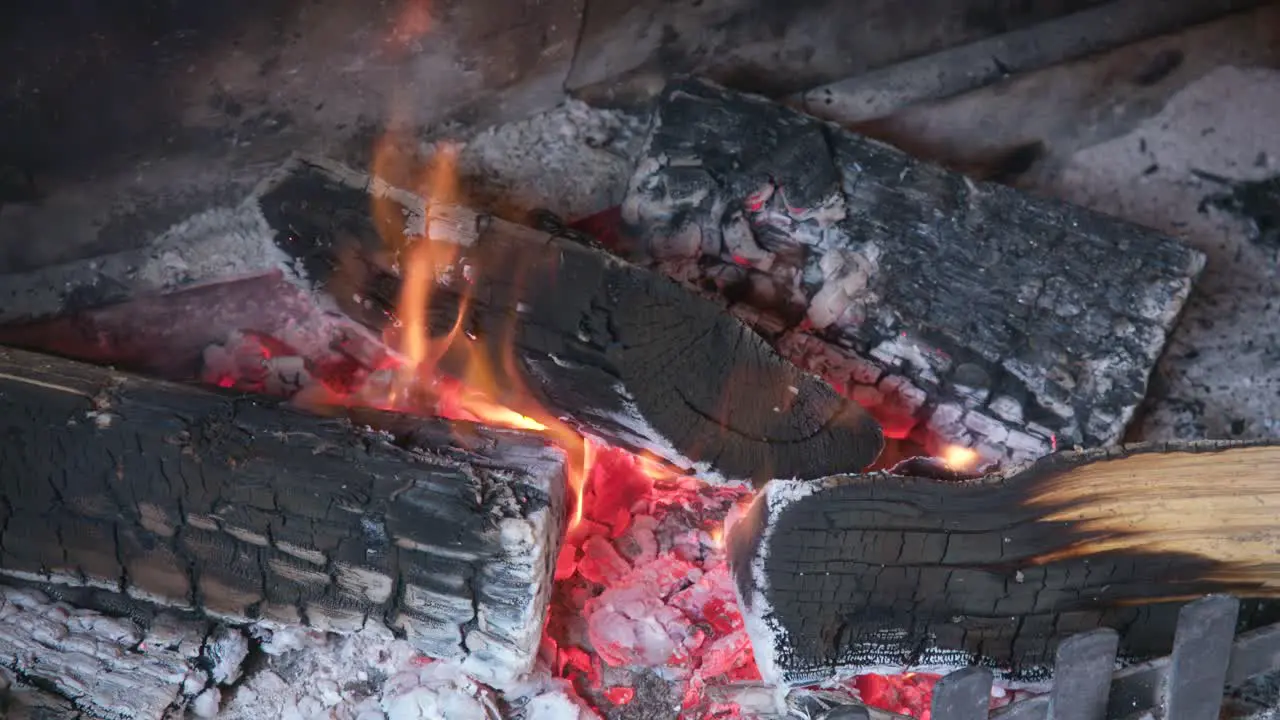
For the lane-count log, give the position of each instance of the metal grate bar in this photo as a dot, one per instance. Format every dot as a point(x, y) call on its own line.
point(1255, 652)
point(1083, 670)
point(963, 695)
point(1202, 648)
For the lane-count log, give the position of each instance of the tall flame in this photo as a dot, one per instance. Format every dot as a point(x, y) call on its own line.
point(481, 393)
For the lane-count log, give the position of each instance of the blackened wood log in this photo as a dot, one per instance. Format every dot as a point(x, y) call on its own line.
point(108, 667)
point(885, 571)
point(989, 317)
point(245, 509)
point(620, 351)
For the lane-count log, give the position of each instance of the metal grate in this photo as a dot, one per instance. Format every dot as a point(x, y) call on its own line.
point(1189, 684)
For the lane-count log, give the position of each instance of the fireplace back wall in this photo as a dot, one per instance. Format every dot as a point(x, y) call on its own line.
point(118, 118)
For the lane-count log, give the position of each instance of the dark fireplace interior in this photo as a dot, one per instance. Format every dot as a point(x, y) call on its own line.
point(582, 359)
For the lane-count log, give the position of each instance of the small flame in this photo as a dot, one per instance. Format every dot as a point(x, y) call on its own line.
point(717, 537)
point(960, 458)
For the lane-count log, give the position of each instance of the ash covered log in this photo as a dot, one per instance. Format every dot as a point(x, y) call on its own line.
point(245, 509)
point(992, 318)
point(886, 571)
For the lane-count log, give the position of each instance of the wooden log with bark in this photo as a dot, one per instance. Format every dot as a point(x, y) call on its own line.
point(893, 572)
point(246, 510)
point(988, 317)
point(620, 352)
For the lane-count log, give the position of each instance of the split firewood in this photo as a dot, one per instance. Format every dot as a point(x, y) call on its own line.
point(619, 352)
point(967, 312)
point(885, 572)
point(244, 510)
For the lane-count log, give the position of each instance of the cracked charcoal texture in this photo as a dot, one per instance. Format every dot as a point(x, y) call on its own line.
point(885, 571)
point(1022, 318)
point(620, 351)
point(245, 509)
point(100, 666)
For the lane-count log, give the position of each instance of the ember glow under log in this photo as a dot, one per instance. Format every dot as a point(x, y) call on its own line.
point(880, 572)
point(960, 311)
point(244, 509)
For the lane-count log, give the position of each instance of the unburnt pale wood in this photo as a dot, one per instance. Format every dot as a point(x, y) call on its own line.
point(618, 350)
point(890, 571)
point(986, 316)
point(244, 509)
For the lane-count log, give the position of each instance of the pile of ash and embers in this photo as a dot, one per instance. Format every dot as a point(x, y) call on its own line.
point(908, 289)
point(644, 619)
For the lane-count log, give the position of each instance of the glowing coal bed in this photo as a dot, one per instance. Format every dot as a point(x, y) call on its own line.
point(644, 620)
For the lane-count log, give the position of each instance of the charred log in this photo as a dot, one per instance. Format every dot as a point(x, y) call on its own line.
point(885, 571)
point(63, 661)
point(244, 509)
point(993, 318)
point(623, 353)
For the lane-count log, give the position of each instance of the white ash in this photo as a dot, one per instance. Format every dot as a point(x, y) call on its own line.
point(1219, 377)
point(371, 675)
point(309, 673)
point(766, 635)
point(218, 244)
point(226, 652)
point(574, 160)
point(542, 697)
point(207, 703)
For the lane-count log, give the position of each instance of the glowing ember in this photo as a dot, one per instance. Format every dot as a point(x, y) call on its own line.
point(909, 694)
point(643, 589)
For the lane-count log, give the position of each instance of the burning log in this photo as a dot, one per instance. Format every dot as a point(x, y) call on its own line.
point(862, 572)
point(620, 352)
point(966, 312)
point(244, 509)
point(563, 330)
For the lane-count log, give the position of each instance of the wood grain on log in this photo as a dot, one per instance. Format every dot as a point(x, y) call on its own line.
point(890, 571)
point(993, 318)
point(244, 509)
point(621, 352)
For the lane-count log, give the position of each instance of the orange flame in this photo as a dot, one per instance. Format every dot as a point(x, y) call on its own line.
point(960, 458)
point(482, 393)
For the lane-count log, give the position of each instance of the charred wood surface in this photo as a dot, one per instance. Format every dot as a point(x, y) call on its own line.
point(885, 571)
point(990, 317)
point(622, 352)
point(63, 661)
point(244, 509)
